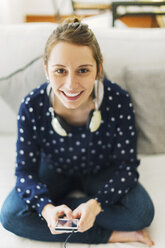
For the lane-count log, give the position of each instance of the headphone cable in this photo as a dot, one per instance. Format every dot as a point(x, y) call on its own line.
point(68, 238)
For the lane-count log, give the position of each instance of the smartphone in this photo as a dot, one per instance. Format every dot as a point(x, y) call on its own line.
point(65, 225)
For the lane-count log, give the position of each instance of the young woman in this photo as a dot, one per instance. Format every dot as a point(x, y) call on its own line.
point(77, 132)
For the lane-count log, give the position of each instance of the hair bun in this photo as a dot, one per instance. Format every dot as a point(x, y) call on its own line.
point(76, 19)
point(73, 19)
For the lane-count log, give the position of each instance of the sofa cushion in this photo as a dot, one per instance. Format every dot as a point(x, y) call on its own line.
point(147, 89)
point(129, 47)
point(8, 119)
point(21, 43)
point(15, 86)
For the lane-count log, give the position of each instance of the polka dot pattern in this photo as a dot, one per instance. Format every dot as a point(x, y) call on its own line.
point(80, 152)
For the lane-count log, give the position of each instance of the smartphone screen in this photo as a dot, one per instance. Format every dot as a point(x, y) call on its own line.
point(66, 225)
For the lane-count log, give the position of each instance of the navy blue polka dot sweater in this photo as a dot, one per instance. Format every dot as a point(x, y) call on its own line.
point(113, 144)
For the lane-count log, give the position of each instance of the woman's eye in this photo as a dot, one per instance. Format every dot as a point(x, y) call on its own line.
point(60, 71)
point(83, 70)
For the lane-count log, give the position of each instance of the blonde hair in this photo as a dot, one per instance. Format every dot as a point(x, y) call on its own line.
point(74, 31)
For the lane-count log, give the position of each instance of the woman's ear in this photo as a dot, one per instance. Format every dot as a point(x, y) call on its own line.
point(45, 70)
point(100, 70)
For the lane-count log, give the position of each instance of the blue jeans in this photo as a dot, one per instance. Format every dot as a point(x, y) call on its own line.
point(135, 211)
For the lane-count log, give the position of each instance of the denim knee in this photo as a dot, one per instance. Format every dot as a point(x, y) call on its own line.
point(144, 211)
point(146, 215)
point(140, 208)
point(6, 217)
point(10, 211)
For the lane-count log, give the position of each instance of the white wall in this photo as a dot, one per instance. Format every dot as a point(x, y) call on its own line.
point(47, 6)
point(14, 11)
point(11, 11)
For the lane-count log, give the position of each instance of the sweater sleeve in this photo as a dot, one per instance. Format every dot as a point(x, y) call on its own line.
point(123, 158)
point(28, 186)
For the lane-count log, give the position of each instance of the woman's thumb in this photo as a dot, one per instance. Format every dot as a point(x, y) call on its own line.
point(76, 213)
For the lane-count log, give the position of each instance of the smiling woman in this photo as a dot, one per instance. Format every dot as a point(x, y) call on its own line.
point(73, 79)
point(77, 132)
point(72, 62)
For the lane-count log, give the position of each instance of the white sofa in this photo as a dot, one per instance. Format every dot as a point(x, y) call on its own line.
point(133, 58)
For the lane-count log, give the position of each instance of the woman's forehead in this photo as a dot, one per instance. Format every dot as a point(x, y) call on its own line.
point(63, 52)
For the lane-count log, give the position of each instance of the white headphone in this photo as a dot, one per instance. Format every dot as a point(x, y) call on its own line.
point(94, 120)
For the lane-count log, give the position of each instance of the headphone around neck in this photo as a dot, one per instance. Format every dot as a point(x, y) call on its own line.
point(94, 121)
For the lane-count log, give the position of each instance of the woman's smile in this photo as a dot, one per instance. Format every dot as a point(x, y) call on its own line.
point(72, 96)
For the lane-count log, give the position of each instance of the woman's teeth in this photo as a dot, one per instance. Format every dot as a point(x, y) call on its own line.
point(71, 94)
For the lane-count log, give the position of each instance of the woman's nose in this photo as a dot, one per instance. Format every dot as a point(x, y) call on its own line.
point(71, 82)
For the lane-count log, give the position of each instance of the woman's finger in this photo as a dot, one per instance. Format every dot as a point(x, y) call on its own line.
point(76, 214)
point(83, 221)
point(64, 210)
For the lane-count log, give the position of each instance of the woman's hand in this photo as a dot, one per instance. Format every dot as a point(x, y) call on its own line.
point(51, 214)
point(87, 213)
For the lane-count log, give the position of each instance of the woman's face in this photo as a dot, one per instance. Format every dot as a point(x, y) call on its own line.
point(72, 72)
